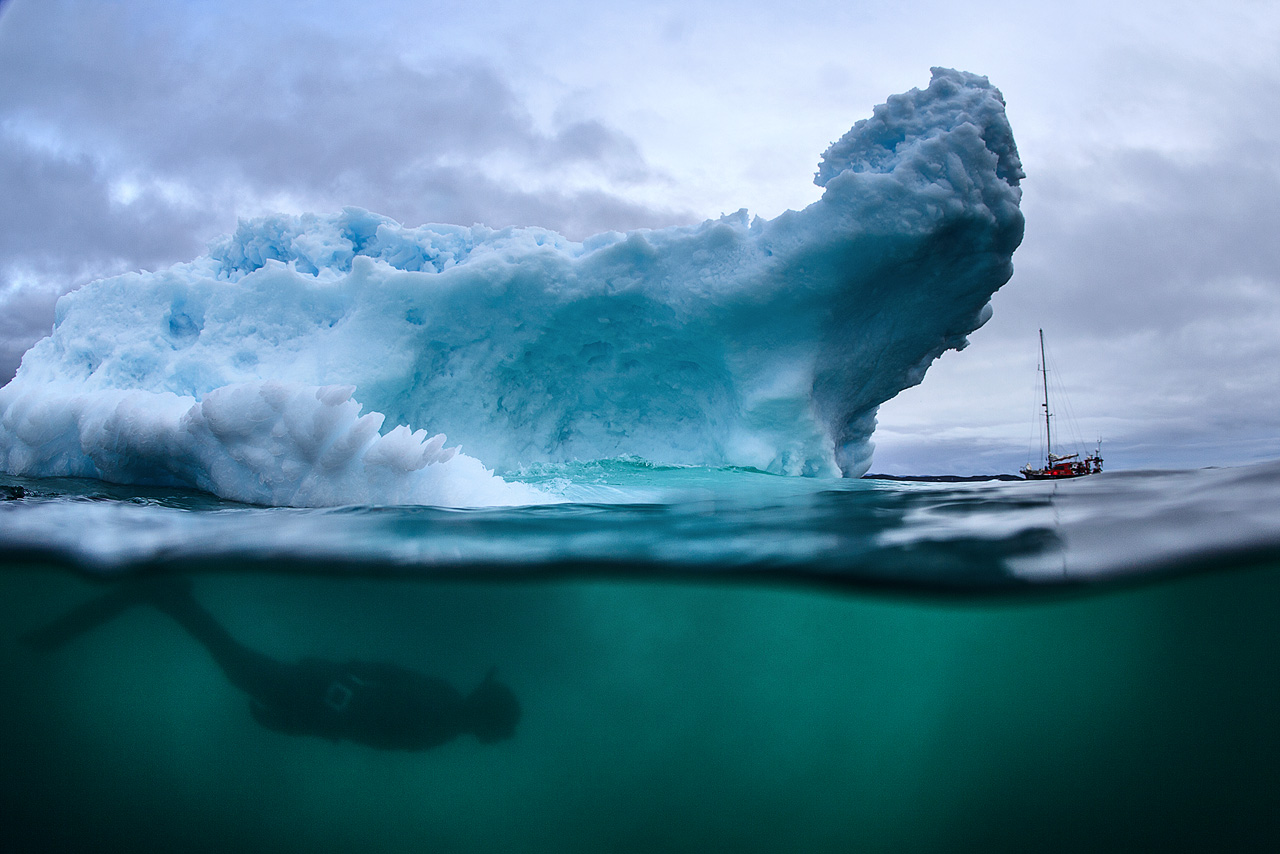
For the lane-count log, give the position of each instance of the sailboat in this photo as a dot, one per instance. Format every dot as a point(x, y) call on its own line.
point(1059, 465)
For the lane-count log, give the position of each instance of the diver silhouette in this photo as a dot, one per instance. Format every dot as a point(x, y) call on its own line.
point(377, 704)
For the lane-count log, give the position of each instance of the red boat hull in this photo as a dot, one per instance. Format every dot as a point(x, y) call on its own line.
point(1075, 468)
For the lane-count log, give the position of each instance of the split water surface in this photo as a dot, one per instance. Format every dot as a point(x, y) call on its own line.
point(702, 660)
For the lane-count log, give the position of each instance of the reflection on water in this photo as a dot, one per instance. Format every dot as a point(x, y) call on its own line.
point(656, 716)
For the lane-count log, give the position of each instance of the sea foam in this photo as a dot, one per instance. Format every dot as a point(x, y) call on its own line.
point(740, 341)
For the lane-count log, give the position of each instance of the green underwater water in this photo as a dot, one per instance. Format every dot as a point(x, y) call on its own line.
point(674, 715)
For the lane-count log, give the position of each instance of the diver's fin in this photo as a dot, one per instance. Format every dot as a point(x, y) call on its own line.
point(109, 605)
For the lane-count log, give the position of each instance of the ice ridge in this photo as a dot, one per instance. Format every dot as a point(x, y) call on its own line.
point(739, 341)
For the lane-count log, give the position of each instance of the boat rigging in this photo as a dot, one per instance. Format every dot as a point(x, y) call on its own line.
point(1059, 466)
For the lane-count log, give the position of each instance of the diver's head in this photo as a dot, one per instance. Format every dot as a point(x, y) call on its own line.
point(492, 710)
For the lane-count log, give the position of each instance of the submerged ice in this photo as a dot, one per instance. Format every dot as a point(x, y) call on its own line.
point(741, 341)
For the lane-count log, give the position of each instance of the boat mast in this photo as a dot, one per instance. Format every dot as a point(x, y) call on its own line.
point(1044, 369)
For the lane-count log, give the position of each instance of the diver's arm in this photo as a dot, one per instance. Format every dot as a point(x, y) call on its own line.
point(248, 669)
point(83, 618)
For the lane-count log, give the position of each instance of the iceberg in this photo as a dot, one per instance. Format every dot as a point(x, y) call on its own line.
point(737, 342)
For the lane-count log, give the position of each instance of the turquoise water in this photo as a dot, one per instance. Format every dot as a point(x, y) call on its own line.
point(710, 660)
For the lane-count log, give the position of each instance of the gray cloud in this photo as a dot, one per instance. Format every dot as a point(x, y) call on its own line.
point(130, 137)
point(26, 315)
point(300, 113)
point(60, 228)
point(1160, 252)
point(1174, 287)
point(59, 214)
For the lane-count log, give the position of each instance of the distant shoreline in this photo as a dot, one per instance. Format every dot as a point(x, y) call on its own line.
point(941, 478)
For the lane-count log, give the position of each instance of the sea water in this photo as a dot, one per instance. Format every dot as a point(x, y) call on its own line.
point(705, 659)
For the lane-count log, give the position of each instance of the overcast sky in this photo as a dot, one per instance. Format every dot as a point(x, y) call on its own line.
point(131, 133)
